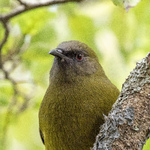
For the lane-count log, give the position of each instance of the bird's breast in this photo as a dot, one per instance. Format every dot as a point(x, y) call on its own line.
point(69, 112)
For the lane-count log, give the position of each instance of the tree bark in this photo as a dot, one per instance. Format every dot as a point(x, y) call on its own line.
point(127, 126)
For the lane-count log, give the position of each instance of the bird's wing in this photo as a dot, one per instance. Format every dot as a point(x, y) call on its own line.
point(42, 137)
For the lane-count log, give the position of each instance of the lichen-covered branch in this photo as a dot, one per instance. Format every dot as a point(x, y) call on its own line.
point(128, 124)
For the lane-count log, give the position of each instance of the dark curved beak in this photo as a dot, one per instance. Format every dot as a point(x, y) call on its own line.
point(57, 52)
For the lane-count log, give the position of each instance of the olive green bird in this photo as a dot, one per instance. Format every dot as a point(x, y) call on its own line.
point(78, 95)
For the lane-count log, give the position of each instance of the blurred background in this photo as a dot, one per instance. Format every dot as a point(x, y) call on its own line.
point(120, 39)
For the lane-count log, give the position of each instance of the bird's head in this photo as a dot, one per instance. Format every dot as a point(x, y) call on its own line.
point(73, 59)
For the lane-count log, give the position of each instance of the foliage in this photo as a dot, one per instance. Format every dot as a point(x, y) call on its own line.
point(119, 38)
point(127, 4)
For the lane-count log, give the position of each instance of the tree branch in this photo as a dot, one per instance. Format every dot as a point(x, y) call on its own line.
point(128, 124)
point(24, 7)
point(6, 34)
point(30, 6)
point(22, 3)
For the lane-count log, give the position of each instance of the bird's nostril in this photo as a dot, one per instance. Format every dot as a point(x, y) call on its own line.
point(59, 50)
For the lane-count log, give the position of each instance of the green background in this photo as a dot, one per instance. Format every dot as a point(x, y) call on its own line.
point(120, 39)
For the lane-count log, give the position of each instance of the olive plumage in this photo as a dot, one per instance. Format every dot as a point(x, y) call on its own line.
point(78, 95)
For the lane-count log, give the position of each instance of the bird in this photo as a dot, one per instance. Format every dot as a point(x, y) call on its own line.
point(78, 96)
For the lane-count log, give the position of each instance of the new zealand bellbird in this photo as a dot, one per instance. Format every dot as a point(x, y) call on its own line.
point(78, 95)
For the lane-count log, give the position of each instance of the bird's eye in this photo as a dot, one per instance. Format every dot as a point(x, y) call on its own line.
point(79, 56)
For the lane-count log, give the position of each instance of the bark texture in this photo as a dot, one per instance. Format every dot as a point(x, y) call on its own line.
point(127, 126)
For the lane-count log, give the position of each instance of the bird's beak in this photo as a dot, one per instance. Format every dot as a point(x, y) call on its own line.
point(57, 52)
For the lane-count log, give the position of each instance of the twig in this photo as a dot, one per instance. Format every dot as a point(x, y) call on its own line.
point(5, 25)
point(29, 6)
point(24, 7)
point(22, 3)
point(4, 19)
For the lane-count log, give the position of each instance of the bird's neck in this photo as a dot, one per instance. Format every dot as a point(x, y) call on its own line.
point(59, 76)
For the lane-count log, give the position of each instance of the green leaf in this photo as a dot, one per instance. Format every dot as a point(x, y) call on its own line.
point(32, 21)
point(118, 2)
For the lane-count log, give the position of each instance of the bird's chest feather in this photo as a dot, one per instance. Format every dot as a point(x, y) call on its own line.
point(69, 115)
point(67, 107)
